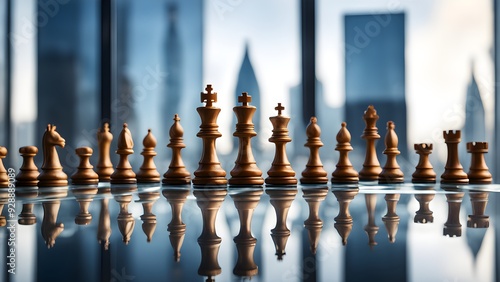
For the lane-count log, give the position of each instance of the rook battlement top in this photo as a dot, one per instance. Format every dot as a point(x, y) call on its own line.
point(452, 135)
point(476, 146)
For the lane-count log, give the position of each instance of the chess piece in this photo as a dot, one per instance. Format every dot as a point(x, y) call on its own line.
point(391, 218)
point(453, 170)
point(104, 226)
point(245, 202)
point(478, 172)
point(4, 177)
point(28, 173)
point(281, 172)
point(281, 199)
point(84, 196)
point(424, 172)
point(209, 172)
point(4, 201)
point(27, 196)
point(85, 173)
point(245, 171)
point(371, 167)
point(148, 173)
point(371, 228)
point(478, 219)
point(104, 167)
point(424, 213)
point(51, 229)
point(452, 227)
point(52, 174)
point(177, 173)
point(176, 228)
point(343, 221)
point(314, 172)
point(391, 173)
point(209, 201)
point(148, 199)
point(123, 173)
point(313, 223)
point(126, 221)
point(344, 173)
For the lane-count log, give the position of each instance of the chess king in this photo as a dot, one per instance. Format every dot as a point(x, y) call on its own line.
point(52, 174)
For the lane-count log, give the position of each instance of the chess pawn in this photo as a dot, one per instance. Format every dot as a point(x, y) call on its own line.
point(177, 173)
point(126, 221)
point(28, 173)
point(371, 228)
point(52, 174)
point(209, 172)
point(424, 213)
point(478, 172)
point(391, 218)
point(148, 172)
point(281, 200)
point(104, 226)
point(314, 172)
point(424, 173)
point(344, 173)
point(313, 223)
point(391, 173)
point(478, 219)
point(371, 166)
point(176, 228)
point(4, 177)
point(26, 196)
point(85, 173)
point(84, 197)
point(104, 166)
point(343, 221)
point(124, 173)
point(452, 227)
point(281, 172)
point(453, 173)
point(148, 218)
point(245, 171)
point(4, 200)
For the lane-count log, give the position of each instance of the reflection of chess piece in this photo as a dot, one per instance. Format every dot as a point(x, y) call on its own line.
point(28, 172)
point(478, 219)
point(314, 172)
point(177, 173)
point(27, 217)
point(126, 221)
point(453, 173)
point(424, 172)
point(343, 221)
point(452, 227)
point(4, 177)
point(344, 173)
point(85, 174)
point(84, 195)
point(478, 172)
point(50, 228)
point(147, 172)
point(104, 226)
point(371, 228)
point(176, 228)
point(104, 166)
point(424, 213)
point(391, 173)
point(52, 174)
point(281, 199)
point(391, 218)
point(148, 199)
point(123, 173)
point(209, 201)
point(245, 202)
point(314, 224)
point(4, 200)
point(371, 166)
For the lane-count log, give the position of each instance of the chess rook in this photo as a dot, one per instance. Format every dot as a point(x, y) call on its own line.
point(371, 166)
point(424, 172)
point(281, 172)
point(314, 172)
point(391, 173)
point(245, 172)
point(28, 172)
point(209, 172)
point(453, 170)
point(52, 174)
point(104, 167)
point(123, 173)
point(478, 171)
point(4, 177)
point(147, 172)
point(177, 173)
point(344, 173)
point(85, 173)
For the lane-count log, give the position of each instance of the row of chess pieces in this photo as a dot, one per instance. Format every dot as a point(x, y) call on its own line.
point(245, 172)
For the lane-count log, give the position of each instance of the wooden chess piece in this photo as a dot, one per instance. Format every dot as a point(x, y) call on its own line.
point(281, 199)
point(52, 174)
point(453, 170)
point(51, 229)
point(85, 173)
point(27, 196)
point(313, 223)
point(4, 177)
point(4, 200)
point(177, 173)
point(424, 172)
point(314, 172)
point(209, 172)
point(126, 221)
point(104, 226)
point(452, 227)
point(246, 202)
point(371, 166)
point(343, 221)
point(344, 173)
point(281, 172)
point(176, 228)
point(478, 172)
point(28, 173)
point(371, 228)
point(209, 201)
point(123, 173)
point(478, 219)
point(84, 196)
point(148, 199)
point(148, 173)
point(104, 167)
point(391, 173)
point(424, 213)
point(245, 171)
point(391, 218)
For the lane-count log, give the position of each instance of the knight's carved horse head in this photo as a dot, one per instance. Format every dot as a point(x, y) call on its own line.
point(51, 138)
